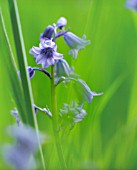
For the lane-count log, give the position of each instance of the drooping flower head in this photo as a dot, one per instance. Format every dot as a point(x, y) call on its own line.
point(63, 68)
point(46, 54)
point(75, 43)
point(20, 153)
point(131, 4)
point(83, 91)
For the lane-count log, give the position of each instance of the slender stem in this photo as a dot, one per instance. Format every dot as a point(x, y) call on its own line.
point(55, 120)
point(42, 70)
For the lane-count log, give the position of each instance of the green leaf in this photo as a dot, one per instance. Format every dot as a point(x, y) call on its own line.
point(7, 60)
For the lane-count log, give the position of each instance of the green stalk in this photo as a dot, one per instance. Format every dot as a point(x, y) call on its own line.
point(55, 121)
point(22, 61)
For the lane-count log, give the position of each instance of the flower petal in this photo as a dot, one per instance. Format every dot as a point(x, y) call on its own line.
point(74, 52)
point(57, 55)
point(40, 58)
point(50, 61)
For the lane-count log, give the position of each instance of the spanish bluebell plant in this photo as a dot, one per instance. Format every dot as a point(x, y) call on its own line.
point(47, 55)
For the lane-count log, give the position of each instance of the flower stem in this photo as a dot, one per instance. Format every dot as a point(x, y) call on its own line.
point(55, 120)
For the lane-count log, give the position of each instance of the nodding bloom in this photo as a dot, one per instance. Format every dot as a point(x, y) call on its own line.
point(131, 4)
point(83, 92)
point(46, 54)
point(75, 43)
point(61, 23)
point(72, 113)
point(62, 68)
point(20, 153)
point(48, 32)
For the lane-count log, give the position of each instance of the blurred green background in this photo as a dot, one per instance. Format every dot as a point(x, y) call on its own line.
point(106, 138)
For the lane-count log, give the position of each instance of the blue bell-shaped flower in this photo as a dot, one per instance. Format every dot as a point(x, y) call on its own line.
point(83, 92)
point(62, 68)
point(75, 43)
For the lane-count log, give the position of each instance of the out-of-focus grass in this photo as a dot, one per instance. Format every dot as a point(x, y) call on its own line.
point(107, 136)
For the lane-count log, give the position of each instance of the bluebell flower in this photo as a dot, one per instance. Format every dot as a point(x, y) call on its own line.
point(18, 157)
point(20, 153)
point(131, 4)
point(62, 22)
point(24, 135)
point(72, 113)
point(83, 92)
point(63, 68)
point(46, 54)
point(30, 71)
point(75, 43)
point(48, 32)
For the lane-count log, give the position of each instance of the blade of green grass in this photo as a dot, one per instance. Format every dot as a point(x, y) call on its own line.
point(8, 60)
point(22, 61)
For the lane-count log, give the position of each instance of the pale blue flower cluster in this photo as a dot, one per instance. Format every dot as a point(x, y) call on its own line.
point(72, 114)
point(47, 55)
point(21, 154)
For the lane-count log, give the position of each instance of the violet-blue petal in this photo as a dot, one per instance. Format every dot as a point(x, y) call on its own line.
point(47, 55)
point(75, 43)
point(83, 91)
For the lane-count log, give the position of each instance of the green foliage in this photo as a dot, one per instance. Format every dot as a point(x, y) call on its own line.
point(106, 138)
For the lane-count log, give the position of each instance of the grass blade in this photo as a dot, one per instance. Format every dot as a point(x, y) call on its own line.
point(22, 61)
point(8, 60)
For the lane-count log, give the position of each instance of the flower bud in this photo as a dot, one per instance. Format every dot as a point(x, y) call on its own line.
point(30, 71)
point(62, 68)
point(62, 22)
point(48, 32)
